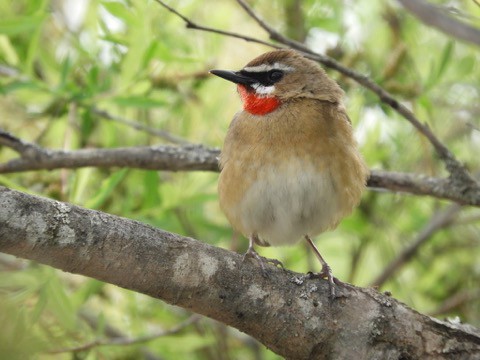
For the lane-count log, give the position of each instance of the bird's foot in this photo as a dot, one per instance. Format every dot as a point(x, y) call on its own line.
point(261, 260)
point(327, 274)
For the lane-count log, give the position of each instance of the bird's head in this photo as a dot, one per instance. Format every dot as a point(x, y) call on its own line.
point(277, 77)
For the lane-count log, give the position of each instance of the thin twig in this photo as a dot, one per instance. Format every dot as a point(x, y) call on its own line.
point(434, 16)
point(125, 341)
point(191, 25)
point(455, 301)
point(24, 148)
point(141, 127)
point(14, 143)
point(438, 222)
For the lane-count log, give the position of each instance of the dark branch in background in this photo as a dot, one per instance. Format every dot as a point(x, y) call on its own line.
point(456, 301)
point(458, 174)
point(290, 313)
point(435, 16)
point(126, 341)
point(110, 332)
point(439, 221)
point(197, 157)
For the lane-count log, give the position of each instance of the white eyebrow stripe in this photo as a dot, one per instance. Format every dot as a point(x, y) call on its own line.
point(268, 67)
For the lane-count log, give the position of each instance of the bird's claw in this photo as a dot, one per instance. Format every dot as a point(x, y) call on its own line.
point(262, 261)
point(327, 274)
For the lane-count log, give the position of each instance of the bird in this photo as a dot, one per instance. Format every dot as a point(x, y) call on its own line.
point(290, 167)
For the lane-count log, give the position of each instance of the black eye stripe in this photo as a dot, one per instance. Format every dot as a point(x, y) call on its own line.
point(264, 77)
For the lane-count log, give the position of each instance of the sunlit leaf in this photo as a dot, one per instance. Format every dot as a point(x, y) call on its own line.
point(21, 24)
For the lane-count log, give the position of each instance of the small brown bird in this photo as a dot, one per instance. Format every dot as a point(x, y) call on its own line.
point(290, 166)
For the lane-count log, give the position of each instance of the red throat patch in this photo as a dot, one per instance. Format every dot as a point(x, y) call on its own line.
point(257, 105)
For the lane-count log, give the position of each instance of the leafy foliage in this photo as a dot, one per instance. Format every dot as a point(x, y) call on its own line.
point(64, 61)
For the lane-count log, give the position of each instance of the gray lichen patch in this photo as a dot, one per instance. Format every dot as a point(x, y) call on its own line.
point(255, 292)
point(208, 265)
point(63, 213)
point(66, 235)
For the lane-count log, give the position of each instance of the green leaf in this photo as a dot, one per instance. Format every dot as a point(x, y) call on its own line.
point(65, 69)
point(106, 189)
point(87, 290)
point(59, 303)
point(8, 50)
point(445, 59)
point(437, 71)
point(18, 280)
point(152, 196)
point(120, 11)
point(39, 306)
point(20, 85)
point(149, 53)
point(21, 25)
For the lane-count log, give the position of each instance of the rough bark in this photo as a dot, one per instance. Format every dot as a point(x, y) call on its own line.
point(288, 312)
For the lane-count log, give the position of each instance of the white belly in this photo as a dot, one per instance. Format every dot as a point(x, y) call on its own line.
point(285, 204)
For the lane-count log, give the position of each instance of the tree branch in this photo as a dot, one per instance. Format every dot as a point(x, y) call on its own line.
point(288, 312)
point(160, 157)
point(434, 16)
point(201, 158)
point(439, 221)
point(126, 341)
point(138, 126)
point(192, 25)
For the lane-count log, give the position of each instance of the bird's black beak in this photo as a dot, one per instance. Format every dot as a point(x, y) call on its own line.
point(234, 76)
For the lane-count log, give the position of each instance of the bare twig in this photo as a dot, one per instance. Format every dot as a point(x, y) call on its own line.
point(191, 25)
point(455, 301)
point(141, 127)
point(435, 16)
point(125, 341)
point(24, 148)
point(111, 332)
point(439, 221)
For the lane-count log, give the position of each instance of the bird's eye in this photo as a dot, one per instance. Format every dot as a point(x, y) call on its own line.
point(275, 75)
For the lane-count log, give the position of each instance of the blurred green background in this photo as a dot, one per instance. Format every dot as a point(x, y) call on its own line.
point(64, 64)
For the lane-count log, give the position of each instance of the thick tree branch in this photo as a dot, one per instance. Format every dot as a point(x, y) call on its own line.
point(288, 312)
point(435, 16)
